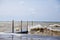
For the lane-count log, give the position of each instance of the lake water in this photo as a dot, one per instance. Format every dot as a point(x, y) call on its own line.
point(27, 37)
point(6, 26)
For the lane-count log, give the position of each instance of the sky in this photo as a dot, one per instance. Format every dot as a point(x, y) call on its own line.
point(36, 10)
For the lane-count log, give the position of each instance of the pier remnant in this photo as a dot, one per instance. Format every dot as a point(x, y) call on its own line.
point(12, 26)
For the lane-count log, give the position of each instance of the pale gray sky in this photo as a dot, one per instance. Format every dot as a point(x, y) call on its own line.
point(38, 10)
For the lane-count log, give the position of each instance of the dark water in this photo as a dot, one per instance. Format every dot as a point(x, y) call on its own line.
point(28, 37)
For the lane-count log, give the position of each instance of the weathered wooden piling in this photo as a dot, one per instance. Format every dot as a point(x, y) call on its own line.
point(12, 26)
point(27, 26)
point(32, 23)
point(21, 25)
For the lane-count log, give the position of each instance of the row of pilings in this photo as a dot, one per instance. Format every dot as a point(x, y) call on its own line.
point(21, 26)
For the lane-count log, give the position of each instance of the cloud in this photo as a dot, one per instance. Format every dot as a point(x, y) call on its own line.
point(21, 2)
point(39, 10)
point(33, 12)
point(31, 9)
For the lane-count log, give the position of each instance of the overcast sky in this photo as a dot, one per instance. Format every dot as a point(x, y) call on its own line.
point(38, 10)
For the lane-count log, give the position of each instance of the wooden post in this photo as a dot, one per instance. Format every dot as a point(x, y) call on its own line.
point(27, 25)
point(21, 25)
point(12, 26)
point(32, 23)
